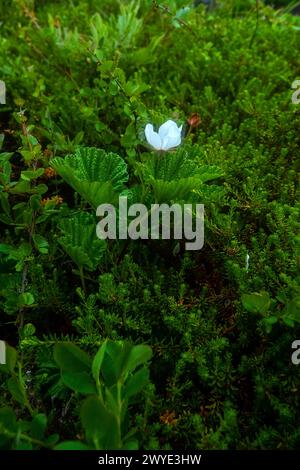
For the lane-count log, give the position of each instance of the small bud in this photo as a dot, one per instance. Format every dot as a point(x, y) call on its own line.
point(194, 120)
point(56, 200)
point(50, 172)
point(169, 418)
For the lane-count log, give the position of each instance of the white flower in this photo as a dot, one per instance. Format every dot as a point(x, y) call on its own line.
point(167, 137)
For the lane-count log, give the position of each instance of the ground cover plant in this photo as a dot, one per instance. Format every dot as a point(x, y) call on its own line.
point(142, 344)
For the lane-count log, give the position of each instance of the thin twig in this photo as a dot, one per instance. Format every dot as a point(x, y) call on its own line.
point(30, 235)
point(180, 21)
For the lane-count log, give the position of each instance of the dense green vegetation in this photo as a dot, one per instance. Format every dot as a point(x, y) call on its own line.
point(142, 344)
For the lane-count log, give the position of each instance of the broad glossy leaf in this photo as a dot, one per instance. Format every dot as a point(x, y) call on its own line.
point(136, 383)
point(8, 420)
point(17, 390)
point(38, 426)
point(138, 355)
point(101, 426)
point(80, 382)
point(70, 358)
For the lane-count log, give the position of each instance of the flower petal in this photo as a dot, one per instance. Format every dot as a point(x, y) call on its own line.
point(173, 138)
point(170, 141)
point(167, 127)
point(152, 137)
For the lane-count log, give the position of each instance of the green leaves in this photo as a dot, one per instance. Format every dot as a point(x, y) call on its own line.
point(97, 165)
point(291, 312)
point(80, 242)
point(70, 358)
point(25, 300)
point(40, 244)
point(170, 166)
point(258, 302)
point(116, 360)
point(138, 355)
point(75, 367)
point(207, 173)
point(24, 435)
point(110, 381)
point(8, 426)
point(15, 383)
point(94, 76)
point(7, 419)
point(261, 303)
point(96, 175)
point(29, 175)
point(38, 426)
point(19, 254)
point(100, 425)
point(174, 175)
point(25, 184)
point(122, 359)
point(79, 382)
point(17, 389)
point(136, 383)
